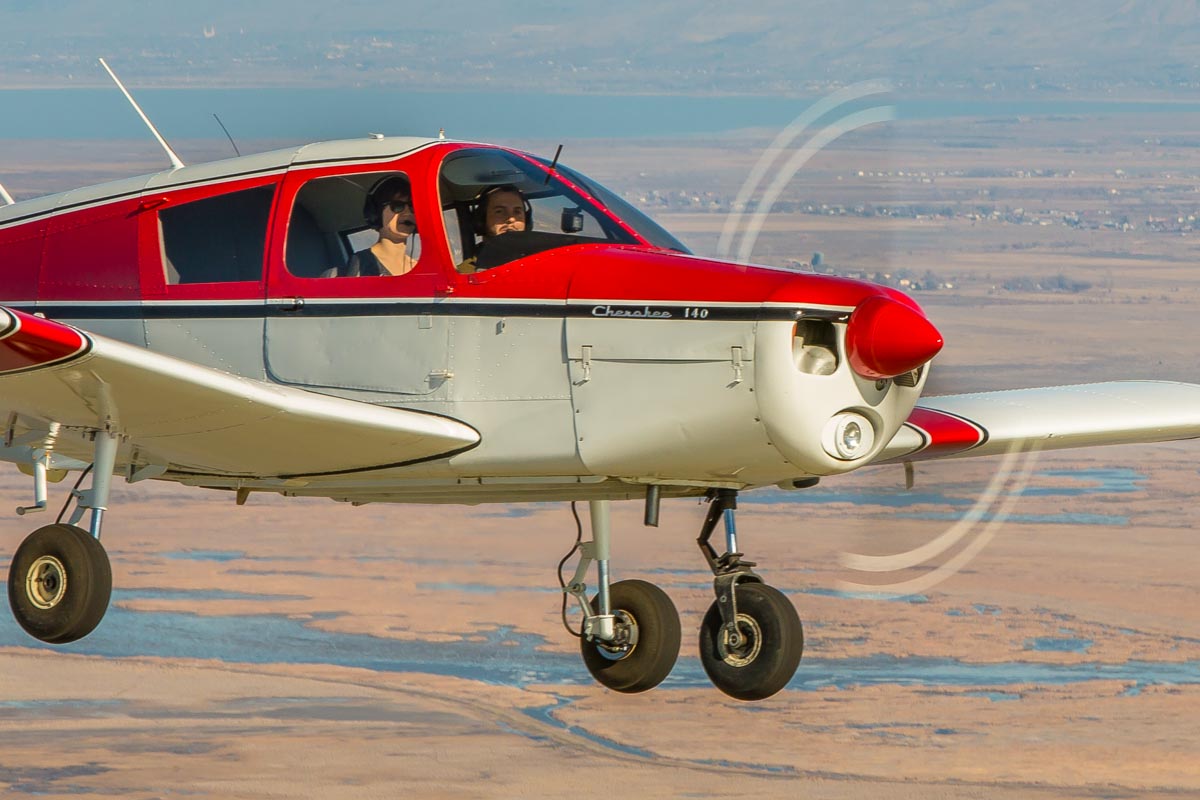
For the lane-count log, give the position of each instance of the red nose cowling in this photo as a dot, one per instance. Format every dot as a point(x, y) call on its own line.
point(886, 338)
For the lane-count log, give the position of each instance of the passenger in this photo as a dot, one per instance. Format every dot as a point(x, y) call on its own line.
point(389, 209)
point(498, 210)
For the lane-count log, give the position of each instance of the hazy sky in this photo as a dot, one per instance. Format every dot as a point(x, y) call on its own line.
point(763, 46)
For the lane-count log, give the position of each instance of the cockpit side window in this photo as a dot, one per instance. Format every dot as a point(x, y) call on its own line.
point(339, 224)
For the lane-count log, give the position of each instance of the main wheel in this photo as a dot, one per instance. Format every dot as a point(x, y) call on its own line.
point(59, 584)
point(764, 654)
point(647, 639)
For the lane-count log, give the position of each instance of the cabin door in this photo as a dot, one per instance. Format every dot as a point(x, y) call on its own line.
point(359, 335)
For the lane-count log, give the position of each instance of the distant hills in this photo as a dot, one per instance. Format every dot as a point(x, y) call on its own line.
point(1104, 47)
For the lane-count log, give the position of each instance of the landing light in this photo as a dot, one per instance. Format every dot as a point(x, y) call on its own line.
point(848, 436)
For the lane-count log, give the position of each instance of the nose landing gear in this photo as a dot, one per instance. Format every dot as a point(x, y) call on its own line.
point(751, 639)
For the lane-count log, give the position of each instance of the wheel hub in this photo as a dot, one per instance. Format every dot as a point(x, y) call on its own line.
point(46, 582)
point(741, 642)
point(624, 642)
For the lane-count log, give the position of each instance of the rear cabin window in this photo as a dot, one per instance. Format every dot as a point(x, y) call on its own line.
point(218, 239)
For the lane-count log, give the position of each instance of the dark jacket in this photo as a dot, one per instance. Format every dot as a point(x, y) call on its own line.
point(362, 264)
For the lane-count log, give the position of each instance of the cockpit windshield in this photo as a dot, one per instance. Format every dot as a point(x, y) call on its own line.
point(504, 205)
point(645, 227)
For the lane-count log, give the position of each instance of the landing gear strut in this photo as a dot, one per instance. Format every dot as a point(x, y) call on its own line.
point(630, 638)
point(751, 639)
point(60, 580)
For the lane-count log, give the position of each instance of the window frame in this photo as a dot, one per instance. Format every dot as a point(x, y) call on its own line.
point(433, 273)
point(152, 249)
point(342, 234)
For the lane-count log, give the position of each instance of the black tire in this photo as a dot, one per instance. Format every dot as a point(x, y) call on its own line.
point(767, 658)
point(59, 584)
point(652, 616)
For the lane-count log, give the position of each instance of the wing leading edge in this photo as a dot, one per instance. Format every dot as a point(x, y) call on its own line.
point(195, 419)
point(1086, 415)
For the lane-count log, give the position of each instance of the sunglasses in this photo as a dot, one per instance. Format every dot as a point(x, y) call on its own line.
point(400, 205)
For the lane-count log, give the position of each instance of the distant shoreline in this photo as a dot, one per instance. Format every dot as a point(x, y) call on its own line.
point(324, 113)
point(1125, 96)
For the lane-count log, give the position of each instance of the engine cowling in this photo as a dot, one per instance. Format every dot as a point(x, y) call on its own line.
point(824, 383)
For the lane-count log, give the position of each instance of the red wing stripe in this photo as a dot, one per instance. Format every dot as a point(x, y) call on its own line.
point(29, 342)
point(945, 433)
point(9, 324)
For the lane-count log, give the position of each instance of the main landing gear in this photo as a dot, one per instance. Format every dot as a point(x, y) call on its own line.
point(60, 581)
point(751, 639)
point(630, 637)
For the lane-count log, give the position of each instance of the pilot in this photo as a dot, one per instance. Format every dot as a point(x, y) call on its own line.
point(498, 210)
point(388, 208)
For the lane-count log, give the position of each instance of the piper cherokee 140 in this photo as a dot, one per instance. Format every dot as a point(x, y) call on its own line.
point(213, 326)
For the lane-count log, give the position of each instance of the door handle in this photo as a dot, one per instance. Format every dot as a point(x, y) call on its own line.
point(288, 303)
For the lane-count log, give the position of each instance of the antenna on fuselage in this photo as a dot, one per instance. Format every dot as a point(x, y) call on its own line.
point(175, 162)
point(230, 138)
point(6, 197)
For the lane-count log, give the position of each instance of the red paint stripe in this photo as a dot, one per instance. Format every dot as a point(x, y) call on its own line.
point(9, 321)
point(944, 433)
point(29, 341)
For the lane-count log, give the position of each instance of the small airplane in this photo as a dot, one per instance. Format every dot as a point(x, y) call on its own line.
point(202, 325)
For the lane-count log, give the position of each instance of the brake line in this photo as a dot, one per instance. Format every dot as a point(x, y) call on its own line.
point(73, 494)
point(562, 583)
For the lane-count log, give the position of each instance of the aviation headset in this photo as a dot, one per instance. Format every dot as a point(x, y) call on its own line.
point(478, 209)
point(381, 194)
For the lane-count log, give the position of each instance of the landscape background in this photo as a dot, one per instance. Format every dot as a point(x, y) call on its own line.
point(308, 649)
point(766, 47)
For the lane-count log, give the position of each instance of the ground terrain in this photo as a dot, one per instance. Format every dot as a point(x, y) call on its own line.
point(307, 649)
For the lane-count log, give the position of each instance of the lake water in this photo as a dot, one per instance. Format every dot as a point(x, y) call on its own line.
point(317, 114)
point(956, 502)
point(510, 658)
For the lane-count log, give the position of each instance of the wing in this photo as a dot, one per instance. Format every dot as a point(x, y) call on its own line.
point(190, 418)
point(988, 423)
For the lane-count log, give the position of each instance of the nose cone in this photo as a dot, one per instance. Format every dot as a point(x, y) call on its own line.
point(886, 338)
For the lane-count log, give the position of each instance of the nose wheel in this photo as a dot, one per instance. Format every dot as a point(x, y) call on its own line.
point(756, 654)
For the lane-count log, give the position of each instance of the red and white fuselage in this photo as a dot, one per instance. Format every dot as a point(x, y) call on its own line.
point(598, 362)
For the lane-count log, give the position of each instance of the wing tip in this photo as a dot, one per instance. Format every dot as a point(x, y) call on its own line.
point(29, 342)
